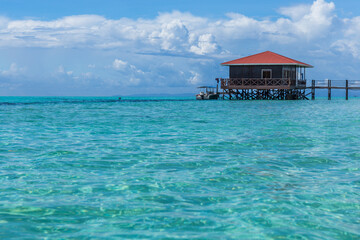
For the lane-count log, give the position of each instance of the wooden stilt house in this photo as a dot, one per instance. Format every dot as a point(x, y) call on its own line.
point(265, 75)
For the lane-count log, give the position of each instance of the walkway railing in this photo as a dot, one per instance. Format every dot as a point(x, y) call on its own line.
point(259, 83)
point(334, 84)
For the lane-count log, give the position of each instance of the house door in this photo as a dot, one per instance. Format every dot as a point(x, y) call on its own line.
point(266, 73)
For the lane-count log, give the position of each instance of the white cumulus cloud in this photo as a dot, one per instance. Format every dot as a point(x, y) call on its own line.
point(195, 78)
point(119, 64)
point(205, 44)
point(13, 70)
point(349, 41)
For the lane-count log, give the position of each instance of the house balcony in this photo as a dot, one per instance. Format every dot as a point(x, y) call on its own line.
point(261, 83)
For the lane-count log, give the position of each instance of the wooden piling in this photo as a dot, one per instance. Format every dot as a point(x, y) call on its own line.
point(329, 89)
point(313, 90)
point(347, 89)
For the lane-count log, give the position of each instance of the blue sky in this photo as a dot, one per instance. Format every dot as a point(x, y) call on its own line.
point(47, 10)
point(102, 48)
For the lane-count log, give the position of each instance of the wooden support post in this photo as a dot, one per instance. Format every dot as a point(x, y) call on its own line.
point(217, 86)
point(313, 90)
point(347, 89)
point(329, 89)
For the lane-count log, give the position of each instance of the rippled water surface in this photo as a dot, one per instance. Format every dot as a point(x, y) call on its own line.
point(84, 168)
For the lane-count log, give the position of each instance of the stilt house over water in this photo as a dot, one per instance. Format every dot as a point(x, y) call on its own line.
point(265, 75)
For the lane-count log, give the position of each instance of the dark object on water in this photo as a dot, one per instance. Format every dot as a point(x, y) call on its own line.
point(207, 93)
point(119, 99)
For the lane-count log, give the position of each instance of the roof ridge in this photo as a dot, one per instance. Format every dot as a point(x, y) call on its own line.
point(287, 57)
point(249, 56)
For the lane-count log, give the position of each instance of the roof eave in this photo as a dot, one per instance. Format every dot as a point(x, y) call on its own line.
point(267, 64)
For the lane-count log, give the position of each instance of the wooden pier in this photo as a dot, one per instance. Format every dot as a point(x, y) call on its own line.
point(280, 89)
point(334, 84)
point(270, 76)
point(266, 76)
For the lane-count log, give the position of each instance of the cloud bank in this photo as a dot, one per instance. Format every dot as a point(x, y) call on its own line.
point(174, 32)
point(177, 49)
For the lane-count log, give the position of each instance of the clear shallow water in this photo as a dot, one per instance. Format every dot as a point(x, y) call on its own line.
point(85, 168)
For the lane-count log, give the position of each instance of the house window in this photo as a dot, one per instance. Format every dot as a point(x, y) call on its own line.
point(289, 72)
point(266, 73)
point(286, 72)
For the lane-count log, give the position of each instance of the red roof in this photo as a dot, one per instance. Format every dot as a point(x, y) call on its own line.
point(266, 58)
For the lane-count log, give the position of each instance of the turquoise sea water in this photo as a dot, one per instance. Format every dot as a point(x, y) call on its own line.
point(93, 168)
